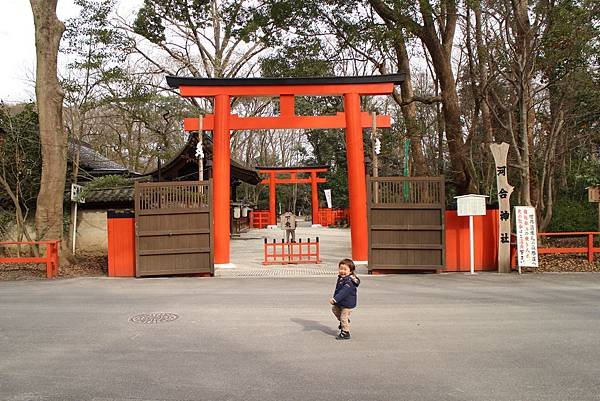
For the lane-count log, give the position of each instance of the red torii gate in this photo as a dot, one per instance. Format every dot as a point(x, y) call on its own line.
point(293, 172)
point(222, 122)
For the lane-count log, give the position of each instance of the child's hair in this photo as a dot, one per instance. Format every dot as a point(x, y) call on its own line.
point(349, 263)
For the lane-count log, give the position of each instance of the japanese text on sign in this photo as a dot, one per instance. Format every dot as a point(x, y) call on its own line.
point(526, 236)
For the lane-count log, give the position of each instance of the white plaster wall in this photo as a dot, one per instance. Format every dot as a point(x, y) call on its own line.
point(92, 230)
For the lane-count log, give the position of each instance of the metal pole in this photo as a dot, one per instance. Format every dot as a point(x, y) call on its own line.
point(75, 227)
point(472, 248)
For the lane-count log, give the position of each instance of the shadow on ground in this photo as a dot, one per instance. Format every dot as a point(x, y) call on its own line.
point(312, 325)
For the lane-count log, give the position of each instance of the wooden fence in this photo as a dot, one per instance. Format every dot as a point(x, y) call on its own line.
point(50, 258)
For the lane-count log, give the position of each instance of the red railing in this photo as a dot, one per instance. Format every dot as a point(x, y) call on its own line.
point(282, 253)
point(259, 218)
point(332, 217)
point(589, 249)
point(51, 257)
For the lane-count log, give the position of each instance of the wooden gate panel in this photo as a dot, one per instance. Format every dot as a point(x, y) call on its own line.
point(175, 241)
point(409, 259)
point(174, 228)
point(171, 264)
point(406, 223)
point(406, 217)
point(406, 237)
point(168, 221)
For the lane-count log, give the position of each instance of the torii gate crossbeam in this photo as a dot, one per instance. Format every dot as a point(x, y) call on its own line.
point(352, 119)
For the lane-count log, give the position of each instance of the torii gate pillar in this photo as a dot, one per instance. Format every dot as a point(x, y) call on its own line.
point(357, 181)
point(221, 171)
point(314, 198)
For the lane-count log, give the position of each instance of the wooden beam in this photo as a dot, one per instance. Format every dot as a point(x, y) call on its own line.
point(285, 122)
point(266, 181)
point(372, 89)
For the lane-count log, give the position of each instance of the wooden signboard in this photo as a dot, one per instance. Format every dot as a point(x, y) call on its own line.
point(593, 194)
point(594, 197)
point(526, 236)
point(500, 153)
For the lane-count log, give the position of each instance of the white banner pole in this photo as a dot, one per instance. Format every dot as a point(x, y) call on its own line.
point(472, 247)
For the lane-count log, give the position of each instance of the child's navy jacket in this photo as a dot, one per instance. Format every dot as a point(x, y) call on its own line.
point(345, 291)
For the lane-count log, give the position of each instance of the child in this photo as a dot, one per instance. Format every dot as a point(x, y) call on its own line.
point(344, 297)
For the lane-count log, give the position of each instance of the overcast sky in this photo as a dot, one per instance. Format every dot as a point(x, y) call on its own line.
point(17, 46)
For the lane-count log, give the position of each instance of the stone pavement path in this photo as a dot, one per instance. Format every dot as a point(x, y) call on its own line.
point(247, 253)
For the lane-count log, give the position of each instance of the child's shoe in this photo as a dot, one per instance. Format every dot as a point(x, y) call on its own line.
point(344, 335)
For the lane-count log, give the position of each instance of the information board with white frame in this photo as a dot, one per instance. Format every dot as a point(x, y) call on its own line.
point(471, 205)
point(527, 250)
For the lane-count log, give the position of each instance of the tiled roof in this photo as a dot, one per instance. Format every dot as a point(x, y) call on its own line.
point(93, 161)
point(106, 195)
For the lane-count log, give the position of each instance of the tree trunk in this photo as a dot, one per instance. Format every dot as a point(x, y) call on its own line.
point(461, 173)
point(49, 95)
point(482, 93)
point(524, 69)
point(409, 108)
point(440, 49)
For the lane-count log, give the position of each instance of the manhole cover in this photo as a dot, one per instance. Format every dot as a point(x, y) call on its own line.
point(151, 318)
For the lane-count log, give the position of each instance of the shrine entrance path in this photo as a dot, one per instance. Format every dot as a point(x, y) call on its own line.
point(247, 253)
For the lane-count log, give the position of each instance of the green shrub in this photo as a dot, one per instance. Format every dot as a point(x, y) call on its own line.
point(574, 215)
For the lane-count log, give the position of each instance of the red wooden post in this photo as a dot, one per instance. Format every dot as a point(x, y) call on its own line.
point(318, 252)
point(221, 171)
point(590, 247)
point(265, 259)
point(315, 198)
point(51, 259)
point(357, 182)
point(272, 197)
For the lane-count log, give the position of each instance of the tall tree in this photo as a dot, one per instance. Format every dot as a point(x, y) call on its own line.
point(200, 38)
point(53, 138)
point(20, 164)
point(351, 34)
point(434, 23)
point(567, 45)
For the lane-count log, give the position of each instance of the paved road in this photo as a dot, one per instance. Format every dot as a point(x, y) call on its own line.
point(415, 337)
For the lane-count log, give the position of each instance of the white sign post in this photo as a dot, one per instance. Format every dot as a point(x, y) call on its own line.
point(328, 197)
point(76, 198)
point(526, 236)
point(471, 205)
